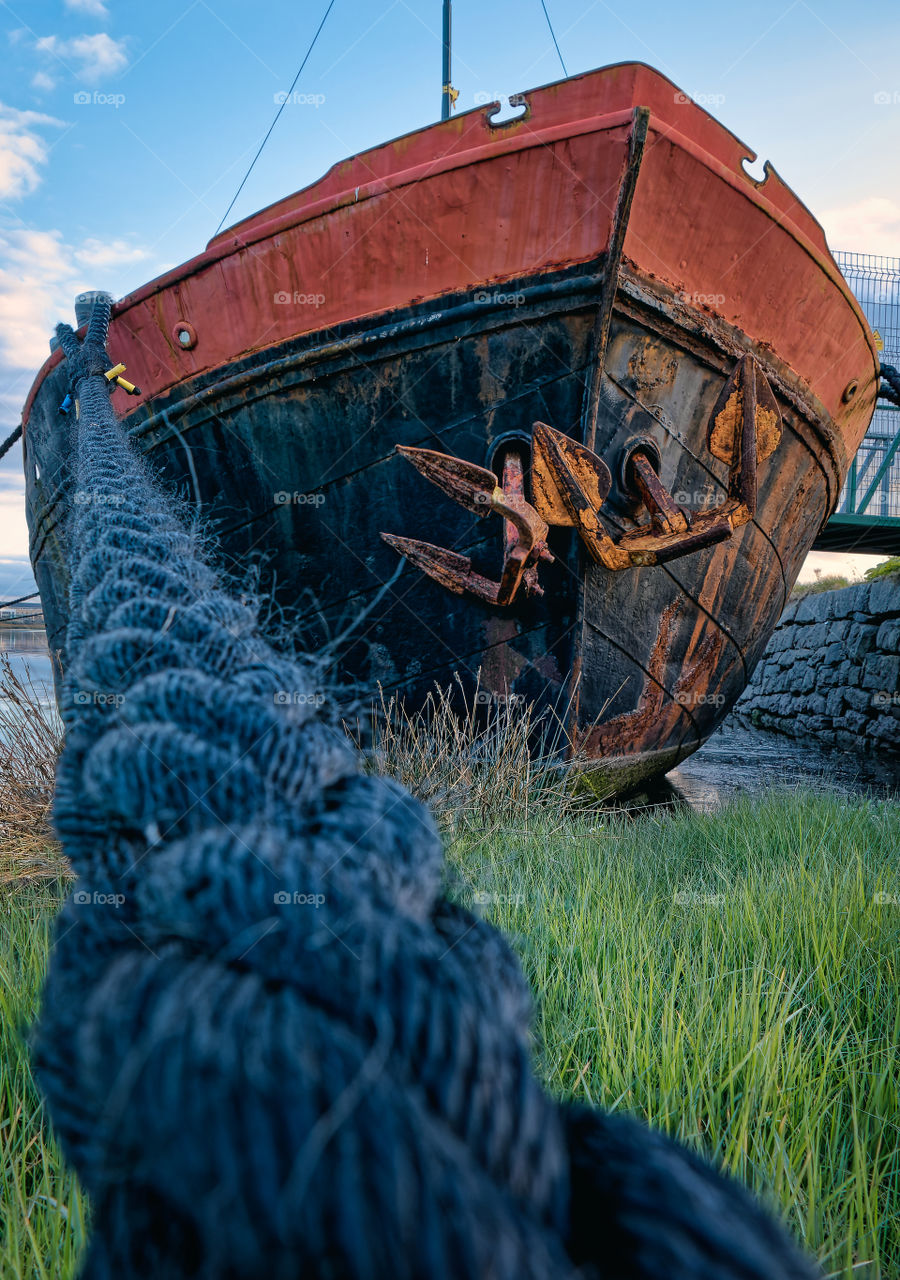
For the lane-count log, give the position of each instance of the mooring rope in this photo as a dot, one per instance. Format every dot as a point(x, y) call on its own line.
point(10, 441)
point(270, 1045)
point(889, 388)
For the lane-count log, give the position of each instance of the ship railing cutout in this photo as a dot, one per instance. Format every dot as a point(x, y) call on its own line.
point(570, 483)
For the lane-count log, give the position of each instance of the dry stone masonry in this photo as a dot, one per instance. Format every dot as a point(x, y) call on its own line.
point(832, 670)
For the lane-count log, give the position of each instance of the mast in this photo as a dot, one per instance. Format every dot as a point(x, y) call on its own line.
point(446, 88)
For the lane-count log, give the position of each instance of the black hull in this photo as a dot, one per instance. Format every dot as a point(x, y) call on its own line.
point(649, 660)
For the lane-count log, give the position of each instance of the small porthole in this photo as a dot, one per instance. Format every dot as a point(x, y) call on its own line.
point(185, 335)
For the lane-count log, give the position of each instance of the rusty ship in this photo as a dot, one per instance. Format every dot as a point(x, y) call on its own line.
point(558, 403)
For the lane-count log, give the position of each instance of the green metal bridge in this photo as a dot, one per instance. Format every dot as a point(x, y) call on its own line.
point(867, 518)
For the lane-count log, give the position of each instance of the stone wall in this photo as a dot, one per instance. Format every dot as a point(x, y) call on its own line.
point(832, 670)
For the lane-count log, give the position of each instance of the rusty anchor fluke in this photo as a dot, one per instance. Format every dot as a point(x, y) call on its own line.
point(477, 489)
point(570, 484)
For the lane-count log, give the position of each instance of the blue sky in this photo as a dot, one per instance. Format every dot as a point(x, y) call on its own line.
point(109, 191)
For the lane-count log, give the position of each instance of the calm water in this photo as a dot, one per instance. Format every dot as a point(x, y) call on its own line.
point(734, 760)
point(741, 760)
point(28, 655)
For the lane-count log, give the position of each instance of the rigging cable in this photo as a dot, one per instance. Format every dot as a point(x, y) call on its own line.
point(277, 115)
point(8, 604)
point(556, 43)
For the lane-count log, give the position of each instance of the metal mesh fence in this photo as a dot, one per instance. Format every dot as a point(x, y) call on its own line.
point(873, 484)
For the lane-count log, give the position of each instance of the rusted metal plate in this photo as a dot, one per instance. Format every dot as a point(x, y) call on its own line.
point(567, 479)
point(727, 418)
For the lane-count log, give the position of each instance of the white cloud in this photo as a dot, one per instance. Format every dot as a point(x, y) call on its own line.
point(868, 226)
point(101, 255)
point(41, 81)
point(94, 57)
point(40, 274)
point(22, 150)
point(38, 280)
point(14, 572)
point(16, 578)
point(94, 8)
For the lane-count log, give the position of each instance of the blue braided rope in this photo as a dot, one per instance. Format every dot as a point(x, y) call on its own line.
point(269, 1043)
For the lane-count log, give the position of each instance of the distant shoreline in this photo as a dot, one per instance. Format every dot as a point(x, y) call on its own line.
point(26, 643)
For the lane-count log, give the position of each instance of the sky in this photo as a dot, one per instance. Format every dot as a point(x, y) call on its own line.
point(125, 129)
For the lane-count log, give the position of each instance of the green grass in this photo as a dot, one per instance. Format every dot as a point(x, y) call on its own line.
point(883, 570)
point(829, 582)
point(733, 979)
point(42, 1221)
point(730, 977)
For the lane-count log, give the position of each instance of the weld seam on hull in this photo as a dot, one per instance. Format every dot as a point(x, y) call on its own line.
point(428, 440)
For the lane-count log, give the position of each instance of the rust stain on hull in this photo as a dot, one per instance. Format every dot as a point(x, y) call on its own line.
point(658, 712)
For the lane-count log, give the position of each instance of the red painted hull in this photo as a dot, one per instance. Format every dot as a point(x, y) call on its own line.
point(462, 204)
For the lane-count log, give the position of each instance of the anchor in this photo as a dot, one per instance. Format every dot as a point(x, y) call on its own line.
point(476, 488)
point(570, 484)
